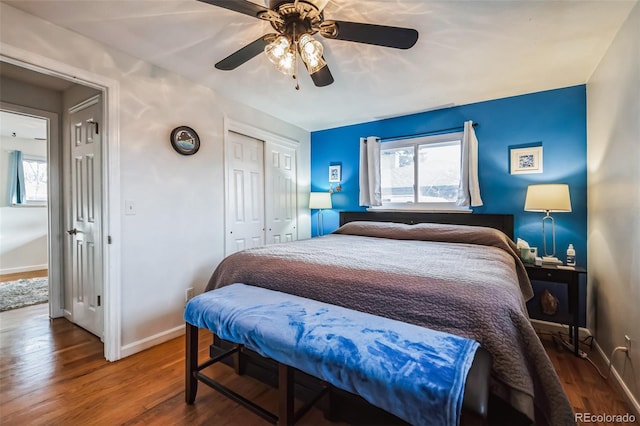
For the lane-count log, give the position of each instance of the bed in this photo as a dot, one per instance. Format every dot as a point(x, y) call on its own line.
point(426, 270)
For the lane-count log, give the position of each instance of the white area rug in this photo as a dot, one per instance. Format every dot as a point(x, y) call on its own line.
point(24, 292)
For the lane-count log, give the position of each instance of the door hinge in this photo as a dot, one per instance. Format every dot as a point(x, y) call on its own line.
point(92, 122)
point(108, 239)
point(99, 301)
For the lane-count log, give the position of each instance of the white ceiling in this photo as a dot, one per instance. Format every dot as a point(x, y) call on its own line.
point(22, 126)
point(467, 51)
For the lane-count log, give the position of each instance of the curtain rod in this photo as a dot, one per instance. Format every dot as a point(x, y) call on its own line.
point(417, 135)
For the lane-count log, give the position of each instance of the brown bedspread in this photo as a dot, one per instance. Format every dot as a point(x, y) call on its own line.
point(463, 280)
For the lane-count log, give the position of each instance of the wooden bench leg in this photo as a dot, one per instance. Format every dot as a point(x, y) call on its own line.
point(329, 411)
point(239, 361)
point(286, 414)
point(191, 367)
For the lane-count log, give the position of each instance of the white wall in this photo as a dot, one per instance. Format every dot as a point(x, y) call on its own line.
point(613, 111)
point(176, 238)
point(23, 230)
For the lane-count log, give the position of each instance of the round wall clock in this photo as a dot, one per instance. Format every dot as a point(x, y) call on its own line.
point(185, 140)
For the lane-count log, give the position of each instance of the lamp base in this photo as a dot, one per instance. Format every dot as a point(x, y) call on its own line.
point(551, 260)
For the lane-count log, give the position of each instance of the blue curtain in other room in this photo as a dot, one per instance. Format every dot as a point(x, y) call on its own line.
point(16, 178)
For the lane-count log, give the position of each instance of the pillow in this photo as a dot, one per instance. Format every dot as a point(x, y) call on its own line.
point(478, 235)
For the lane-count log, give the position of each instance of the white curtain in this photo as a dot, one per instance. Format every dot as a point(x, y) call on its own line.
point(370, 189)
point(469, 190)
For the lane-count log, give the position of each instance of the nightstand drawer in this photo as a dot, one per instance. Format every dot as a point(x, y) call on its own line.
point(555, 275)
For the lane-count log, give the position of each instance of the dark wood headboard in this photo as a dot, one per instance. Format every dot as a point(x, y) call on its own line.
point(503, 222)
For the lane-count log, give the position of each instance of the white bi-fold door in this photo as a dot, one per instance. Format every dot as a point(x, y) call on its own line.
point(261, 192)
point(280, 194)
point(245, 222)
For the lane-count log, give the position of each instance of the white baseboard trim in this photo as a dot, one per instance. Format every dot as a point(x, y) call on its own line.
point(553, 327)
point(619, 383)
point(582, 334)
point(23, 269)
point(150, 341)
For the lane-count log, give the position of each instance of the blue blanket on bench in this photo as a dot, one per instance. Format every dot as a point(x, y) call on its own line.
point(413, 372)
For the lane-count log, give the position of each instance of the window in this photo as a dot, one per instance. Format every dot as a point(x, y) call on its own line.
point(35, 180)
point(421, 173)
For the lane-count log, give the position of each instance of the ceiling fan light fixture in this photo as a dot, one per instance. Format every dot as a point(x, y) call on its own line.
point(295, 23)
point(315, 65)
point(311, 53)
point(277, 49)
point(287, 63)
point(280, 53)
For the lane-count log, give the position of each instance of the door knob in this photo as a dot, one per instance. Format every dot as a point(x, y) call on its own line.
point(73, 231)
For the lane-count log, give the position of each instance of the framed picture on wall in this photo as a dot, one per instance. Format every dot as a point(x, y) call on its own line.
point(335, 173)
point(185, 140)
point(526, 160)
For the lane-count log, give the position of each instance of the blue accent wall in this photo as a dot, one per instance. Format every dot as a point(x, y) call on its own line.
point(555, 119)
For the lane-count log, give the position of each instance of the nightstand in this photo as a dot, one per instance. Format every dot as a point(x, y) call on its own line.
point(571, 278)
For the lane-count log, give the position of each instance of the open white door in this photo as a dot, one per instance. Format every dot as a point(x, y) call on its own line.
point(84, 222)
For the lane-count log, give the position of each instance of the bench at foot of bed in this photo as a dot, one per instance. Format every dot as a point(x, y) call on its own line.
point(421, 376)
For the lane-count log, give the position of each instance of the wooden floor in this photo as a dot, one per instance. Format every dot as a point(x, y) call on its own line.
point(23, 275)
point(54, 373)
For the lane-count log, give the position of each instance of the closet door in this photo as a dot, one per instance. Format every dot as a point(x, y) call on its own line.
point(245, 212)
point(280, 193)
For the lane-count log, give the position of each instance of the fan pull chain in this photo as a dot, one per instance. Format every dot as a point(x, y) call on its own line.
point(295, 74)
point(295, 58)
point(295, 68)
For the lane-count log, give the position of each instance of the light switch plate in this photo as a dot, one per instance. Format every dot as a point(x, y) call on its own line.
point(129, 207)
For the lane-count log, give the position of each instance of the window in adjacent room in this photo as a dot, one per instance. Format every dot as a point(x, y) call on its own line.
point(421, 173)
point(35, 179)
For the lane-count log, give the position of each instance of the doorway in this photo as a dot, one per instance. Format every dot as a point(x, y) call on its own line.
point(41, 208)
point(23, 203)
point(109, 271)
point(70, 169)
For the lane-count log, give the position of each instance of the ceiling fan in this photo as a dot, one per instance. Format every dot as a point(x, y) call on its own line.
point(295, 23)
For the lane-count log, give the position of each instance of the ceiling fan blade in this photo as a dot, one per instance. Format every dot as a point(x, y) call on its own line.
point(380, 35)
point(241, 6)
point(248, 52)
point(322, 77)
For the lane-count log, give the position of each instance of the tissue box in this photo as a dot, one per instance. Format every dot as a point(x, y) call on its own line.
point(528, 255)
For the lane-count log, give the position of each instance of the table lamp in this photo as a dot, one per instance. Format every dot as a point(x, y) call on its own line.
point(320, 200)
point(548, 198)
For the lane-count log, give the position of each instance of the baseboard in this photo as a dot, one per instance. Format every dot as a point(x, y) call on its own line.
point(150, 341)
point(553, 327)
point(619, 383)
point(23, 269)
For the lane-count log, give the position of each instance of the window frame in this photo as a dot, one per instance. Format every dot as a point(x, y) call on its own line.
point(416, 143)
point(35, 203)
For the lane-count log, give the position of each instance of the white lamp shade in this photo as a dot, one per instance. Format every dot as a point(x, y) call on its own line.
point(548, 197)
point(319, 200)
